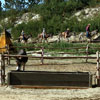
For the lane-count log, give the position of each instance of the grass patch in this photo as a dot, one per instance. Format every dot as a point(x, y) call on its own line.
point(63, 47)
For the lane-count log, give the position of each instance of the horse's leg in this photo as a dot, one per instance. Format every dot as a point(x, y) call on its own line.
point(23, 66)
point(59, 38)
point(67, 39)
point(38, 39)
point(18, 66)
point(46, 40)
point(42, 39)
point(65, 35)
point(80, 39)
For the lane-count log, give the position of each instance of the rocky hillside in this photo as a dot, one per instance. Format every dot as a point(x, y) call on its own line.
point(25, 18)
point(87, 13)
point(80, 15)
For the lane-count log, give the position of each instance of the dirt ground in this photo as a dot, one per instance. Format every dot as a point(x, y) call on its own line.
point(10, 93)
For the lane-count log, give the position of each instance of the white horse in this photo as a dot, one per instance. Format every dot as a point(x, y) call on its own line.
point(82, 35)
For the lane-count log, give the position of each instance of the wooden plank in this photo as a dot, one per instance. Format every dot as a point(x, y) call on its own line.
point(48, 48)
point(48, 87)
point(73, 57)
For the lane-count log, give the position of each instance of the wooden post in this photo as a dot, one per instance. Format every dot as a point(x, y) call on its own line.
point(8, 59)
point(98, 69)
point(42, 54)
point(87, 48)
point(2, 70)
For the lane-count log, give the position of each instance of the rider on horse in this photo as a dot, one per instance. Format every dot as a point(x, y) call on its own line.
point(43, 33)
point(88, 31)
point(67, 33)
point(22, 34)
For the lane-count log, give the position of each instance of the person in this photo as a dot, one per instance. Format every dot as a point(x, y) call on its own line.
point(43, 33)
point(67, 32)
point(22, 33)
point(88, 31)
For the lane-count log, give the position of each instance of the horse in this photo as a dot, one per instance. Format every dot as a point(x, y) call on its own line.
point(24, 38)
point(94, 32)
point(21, 61)
point(65, 35)
point(83, 34)
point(45, 37)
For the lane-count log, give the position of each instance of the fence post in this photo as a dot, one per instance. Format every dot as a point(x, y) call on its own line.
point(98, 69)
point(2, 70)
point(8, 59)
point(42, 54)
point(87, 51)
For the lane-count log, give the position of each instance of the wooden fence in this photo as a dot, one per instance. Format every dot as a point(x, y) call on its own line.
point(43, 49)
point(42, 57)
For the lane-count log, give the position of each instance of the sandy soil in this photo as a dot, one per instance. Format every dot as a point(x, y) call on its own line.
point(10, 93)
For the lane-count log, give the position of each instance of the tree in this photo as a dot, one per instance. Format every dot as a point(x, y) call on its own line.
point(31, 3)
point(15, 4)
point(9, 4)
point(0, 6)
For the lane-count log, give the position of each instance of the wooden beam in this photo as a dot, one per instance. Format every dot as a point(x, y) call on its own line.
point(47, 87)
point(72, 57)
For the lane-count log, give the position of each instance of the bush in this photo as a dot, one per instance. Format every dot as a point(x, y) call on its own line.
point(32, 27)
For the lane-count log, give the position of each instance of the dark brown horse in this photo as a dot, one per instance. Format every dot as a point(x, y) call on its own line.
point(21, 61)
point(24, 38)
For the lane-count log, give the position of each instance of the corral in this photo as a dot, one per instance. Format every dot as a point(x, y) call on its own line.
point(46, 76)
point(53, 65)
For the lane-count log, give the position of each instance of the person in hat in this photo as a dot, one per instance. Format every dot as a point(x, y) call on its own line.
point(88, 31)
point(67, 33)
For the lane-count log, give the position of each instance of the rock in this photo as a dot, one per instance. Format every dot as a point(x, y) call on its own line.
point(77, 14)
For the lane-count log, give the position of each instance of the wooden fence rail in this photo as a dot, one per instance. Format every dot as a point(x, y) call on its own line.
point(42, 57)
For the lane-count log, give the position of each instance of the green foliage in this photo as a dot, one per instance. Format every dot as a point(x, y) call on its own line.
point(32, 27)
point(55, 16)
point(70, 47)
point(62, 47)
point(23, 45)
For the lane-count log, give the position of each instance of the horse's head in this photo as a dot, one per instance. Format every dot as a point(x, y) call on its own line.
point(7, 34)
point(74, 34)
point(49, 35)
point(97, 30)
point(94, 32)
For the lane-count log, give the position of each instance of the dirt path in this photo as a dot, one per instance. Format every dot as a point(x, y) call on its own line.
point(9, 93)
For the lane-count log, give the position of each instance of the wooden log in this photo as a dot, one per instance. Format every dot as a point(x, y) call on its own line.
point(42, 54)
point(72, 57)
point(8, 51)
point(2, 70)
point(87, 50)
point(47, 87)
point(48, 48)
